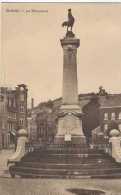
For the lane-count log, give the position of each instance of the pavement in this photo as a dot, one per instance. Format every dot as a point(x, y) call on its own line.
point(4, 155)
point(19, 186)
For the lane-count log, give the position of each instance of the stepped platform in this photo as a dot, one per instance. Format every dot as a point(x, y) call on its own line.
point(66, 162)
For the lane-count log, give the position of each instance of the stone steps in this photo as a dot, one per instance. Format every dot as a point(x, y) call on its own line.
point(50, 164)
point(58, 173)
point(47, 155)
point(68, 151)
point(103, 176)
point(67, 171)
point(66, 160)
point(64, 154)
point(69, 166)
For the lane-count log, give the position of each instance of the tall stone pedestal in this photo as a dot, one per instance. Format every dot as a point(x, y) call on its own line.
point(70, 115)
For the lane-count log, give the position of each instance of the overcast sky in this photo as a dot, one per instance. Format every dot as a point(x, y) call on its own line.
point(32, 54)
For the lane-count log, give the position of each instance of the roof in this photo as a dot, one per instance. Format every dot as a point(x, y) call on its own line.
point(105, 101)
point(110, 101)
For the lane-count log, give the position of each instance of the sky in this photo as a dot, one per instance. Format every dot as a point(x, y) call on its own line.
point(32, 53)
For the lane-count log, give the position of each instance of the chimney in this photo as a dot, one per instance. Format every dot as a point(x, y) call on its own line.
point(32, 103)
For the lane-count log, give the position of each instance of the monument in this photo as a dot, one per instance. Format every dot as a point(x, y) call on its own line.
point(69, 128)
point(69, 156)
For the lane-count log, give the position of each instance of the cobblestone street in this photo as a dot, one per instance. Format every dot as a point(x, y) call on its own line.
point(19, 186)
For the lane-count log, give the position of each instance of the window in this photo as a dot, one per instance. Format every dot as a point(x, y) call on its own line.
point(106, 127)
point(21, 122)
point(9, 102)
point(21, 108)
point(113, 116)
point(9, 116)
point(14, 115)
point(105, 116)
point(2, 108)
point(10, 126)
point(14, 103)
point(1, 98)
point(119, 126)
point(3, 124)
point(119, 115)
point(8, 138)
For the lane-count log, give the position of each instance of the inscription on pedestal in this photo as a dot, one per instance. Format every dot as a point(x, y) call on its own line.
point(67, 137)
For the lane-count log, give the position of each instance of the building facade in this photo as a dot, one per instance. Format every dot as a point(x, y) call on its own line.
point(13, 113)
point(101, 110)
point(46, 125)
point(110, 113)
point(32, 127)
point(42, 123)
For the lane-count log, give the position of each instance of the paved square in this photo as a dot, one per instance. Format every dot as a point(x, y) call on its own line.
point(18, 186)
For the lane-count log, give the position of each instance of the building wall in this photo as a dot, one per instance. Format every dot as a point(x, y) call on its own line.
point(21, 100)
point(10, 113)
point(110, 118)
point(93, 117)
point(32, 128)
point(46, 125)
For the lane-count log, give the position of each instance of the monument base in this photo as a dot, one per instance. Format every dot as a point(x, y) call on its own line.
point(72, 140)
point(69, 129)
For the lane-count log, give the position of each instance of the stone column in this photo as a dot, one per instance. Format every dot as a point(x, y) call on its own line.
point(70, 114)
point(70, 94)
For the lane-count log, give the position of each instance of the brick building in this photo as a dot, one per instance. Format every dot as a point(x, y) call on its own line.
point(13, 113)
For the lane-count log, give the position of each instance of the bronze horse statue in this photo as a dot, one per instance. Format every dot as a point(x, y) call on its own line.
point(70, 21)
